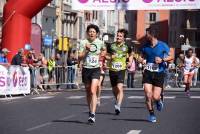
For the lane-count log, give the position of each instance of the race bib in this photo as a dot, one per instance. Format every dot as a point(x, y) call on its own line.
point(117, 65)
point(92, 60)
point(152, 67)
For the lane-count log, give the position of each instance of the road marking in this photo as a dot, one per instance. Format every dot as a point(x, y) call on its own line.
point(39, 126)
point(48, 123)
point(194, 97)
point(10, 98)
point(106, 97)
point(136, 97)
point(169, 97)
point(134, 132)
point(75, 97)
point(42, 97)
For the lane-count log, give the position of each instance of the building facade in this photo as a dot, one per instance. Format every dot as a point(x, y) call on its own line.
point(139, 21)
point(184, 29)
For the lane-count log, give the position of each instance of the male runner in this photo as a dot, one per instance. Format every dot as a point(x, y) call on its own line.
point(117, 67)
point(153, 76)
point(89, 52)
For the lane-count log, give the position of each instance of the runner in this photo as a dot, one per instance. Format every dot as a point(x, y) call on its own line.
point(102, 61)
point(195, 70)
point(89, 52)
point(153, 77)
point(117, 67)
point(190, 64)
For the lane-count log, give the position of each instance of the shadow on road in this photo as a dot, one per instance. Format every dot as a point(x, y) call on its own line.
point(71, 121)
point(135, 107)
point(138, 120)
point(105, 113)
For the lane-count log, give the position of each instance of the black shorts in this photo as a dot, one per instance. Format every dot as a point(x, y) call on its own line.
point(90, 73)
point(154, 78)
point(116, 77)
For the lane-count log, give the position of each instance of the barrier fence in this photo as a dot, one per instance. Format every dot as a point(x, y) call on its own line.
point(22, 80)
point(59, 76)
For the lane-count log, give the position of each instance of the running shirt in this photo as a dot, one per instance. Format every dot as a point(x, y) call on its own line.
point(119, 62)
point(188, 65)
point(160, 50)
point(91, 60)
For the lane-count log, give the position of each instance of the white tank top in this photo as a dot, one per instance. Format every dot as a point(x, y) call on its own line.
point(188, 63)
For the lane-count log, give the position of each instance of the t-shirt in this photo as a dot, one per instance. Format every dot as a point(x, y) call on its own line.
point(3, 59)
point(160, 50)
point(91, 60)
point(17, 60)
point(119, 62)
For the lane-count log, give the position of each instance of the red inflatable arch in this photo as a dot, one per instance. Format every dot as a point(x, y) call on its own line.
point(17, 17)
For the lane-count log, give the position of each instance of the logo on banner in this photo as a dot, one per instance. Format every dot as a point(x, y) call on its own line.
point(15, 79)
point(83, 1)
point(149, 1)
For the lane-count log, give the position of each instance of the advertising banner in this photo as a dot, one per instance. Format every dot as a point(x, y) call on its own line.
point(135, 4)
point(14, 80)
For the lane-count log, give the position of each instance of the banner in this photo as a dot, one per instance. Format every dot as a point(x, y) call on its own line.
point(14, 80)
point(134, 4)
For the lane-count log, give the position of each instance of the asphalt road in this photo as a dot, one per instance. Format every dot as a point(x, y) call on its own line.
point(67, 113)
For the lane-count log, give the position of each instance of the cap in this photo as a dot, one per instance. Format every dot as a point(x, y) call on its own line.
point(5, 50)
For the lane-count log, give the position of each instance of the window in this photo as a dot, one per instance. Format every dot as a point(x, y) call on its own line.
point(152, 17)
point(197, 36)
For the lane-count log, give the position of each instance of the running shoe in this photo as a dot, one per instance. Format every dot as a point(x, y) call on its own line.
point(117, 110)
point(159, 105)
point(91, 118)
point(152, 118)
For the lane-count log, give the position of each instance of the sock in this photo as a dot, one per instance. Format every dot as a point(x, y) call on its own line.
point(91, 114)
point(151, 112)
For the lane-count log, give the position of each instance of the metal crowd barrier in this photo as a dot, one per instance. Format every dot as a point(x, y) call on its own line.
point(59, 77)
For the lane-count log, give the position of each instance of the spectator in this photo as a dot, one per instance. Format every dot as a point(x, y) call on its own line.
point(195, 71)
point(71, 62)
point(31, 64)
point(51, 63)
point(58, 70)
point(3, 58)
point(18, 59)
point(131, 68)
point(42, 63)
point(179, 64)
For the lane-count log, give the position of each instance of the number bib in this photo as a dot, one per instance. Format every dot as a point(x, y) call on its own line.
point(152, 67)
point(117, 65)
point(92, 60)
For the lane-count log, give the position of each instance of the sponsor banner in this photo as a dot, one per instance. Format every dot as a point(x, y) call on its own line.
point(3, 80)
point(16, 80)
point(134, 4)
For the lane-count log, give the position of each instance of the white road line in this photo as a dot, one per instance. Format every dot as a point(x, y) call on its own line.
point(136, 97)
point(106, 97)
point(75, 97)
point(42, 97)
point(48, 123)
point(194, 97)
point(10, 98)
point(169, 97)
point(134, 132)
point(39, 126)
